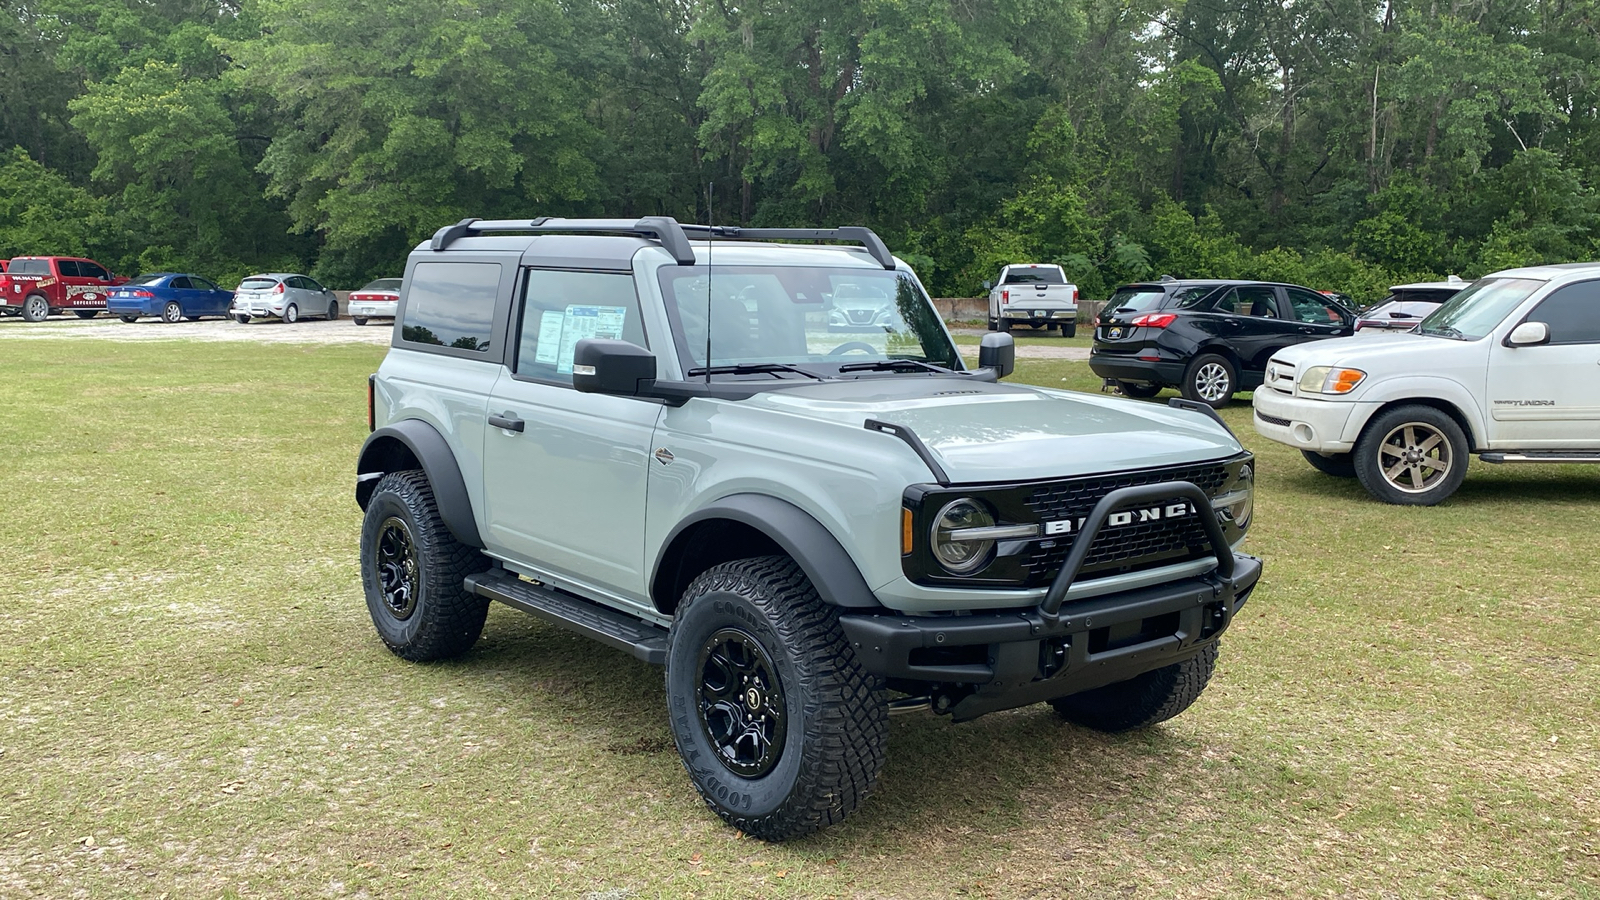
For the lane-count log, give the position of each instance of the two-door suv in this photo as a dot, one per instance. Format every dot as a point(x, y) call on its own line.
point(1508, 368)
point(1210, 339)
point(662, 436)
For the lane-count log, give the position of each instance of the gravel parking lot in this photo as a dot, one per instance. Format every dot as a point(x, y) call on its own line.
point(266, 331)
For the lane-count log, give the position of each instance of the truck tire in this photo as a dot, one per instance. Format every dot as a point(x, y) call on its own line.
point(1069, 329)
point(1411, 456)
point(1005, 325)
point(85, 313)
point(781, 730)
point(412, 568)
point(1339, 465)
point(36, 308)
point(1210, 379)
point(172, 313)
point(1142, 700)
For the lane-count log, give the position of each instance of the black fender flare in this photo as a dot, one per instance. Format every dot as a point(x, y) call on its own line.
point(433, 455)
point(808, 542)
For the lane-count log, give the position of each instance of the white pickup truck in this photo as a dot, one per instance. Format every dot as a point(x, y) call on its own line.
point(1037, 294)
point(1508, 369)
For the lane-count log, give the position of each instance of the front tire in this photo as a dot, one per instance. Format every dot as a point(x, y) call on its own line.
point(129, 319)
point(172, 313)
point(1142, 700)
point(412, 568)
point(1412, 456)
point(1210, 379)
point(36, 308)
point(781, 730)
point(1339, 465)
point(333, 310)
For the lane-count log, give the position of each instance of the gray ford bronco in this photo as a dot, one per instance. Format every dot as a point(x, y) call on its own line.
point(680, 441)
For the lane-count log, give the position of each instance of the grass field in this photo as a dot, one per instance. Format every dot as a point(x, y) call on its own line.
point(193, 703)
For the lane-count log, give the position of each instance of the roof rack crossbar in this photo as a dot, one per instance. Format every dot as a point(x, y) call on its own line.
point(852, 233)
point(673, 236)
point(664, 229)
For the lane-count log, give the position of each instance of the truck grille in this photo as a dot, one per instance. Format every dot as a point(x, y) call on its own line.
point(1141, 545)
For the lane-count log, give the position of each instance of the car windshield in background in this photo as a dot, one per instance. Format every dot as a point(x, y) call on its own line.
point(146, 279)
point(1132, 300)
point(802, 316)
point(258, 284)
point(1476, 311)
point(1035, 275)
point(384, 284)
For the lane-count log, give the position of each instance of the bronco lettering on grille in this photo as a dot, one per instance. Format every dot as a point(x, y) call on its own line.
point(1125, 517)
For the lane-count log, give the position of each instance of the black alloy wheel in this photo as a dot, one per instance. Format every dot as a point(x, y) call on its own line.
point(741, 703)
point(396, 565)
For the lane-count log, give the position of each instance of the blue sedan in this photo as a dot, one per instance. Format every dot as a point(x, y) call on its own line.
point(170, 295)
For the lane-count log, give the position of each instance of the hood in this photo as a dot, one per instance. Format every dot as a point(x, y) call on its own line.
point(985, 432)
point(1402, 352)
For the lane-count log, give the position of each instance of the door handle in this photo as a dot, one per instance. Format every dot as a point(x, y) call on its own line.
point(508, 421)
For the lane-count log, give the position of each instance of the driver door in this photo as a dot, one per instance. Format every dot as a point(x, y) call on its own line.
point(1547, 396)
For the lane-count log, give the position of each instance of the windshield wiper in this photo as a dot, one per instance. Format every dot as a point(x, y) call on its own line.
point(1445, 331)
point(885, 365)
point(752, 369)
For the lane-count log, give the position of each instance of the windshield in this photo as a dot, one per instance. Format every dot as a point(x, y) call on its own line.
point(1035, 274)
point(258, 284)
point(146, 279)
point(391, 285)
point(1476, 311)
point(814, 318)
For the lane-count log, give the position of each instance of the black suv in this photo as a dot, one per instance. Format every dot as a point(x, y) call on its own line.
point(1206, 338)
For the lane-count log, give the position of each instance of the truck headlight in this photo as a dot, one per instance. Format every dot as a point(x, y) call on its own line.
point(1238, 502)
point(1330, 380)
point(962, 554)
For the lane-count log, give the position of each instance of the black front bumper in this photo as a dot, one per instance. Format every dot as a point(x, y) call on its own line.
point(1019, 657)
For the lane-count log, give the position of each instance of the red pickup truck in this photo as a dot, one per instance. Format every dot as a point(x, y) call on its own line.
point(36, 286)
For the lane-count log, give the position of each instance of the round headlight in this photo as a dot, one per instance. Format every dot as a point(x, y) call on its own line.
point(960, 555)
point(1244, 504)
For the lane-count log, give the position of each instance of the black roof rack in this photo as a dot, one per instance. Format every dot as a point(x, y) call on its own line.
point(673, 237)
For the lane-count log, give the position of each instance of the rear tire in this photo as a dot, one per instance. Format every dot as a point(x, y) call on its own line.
point(1070, 330)
point(359, 320)
point(781, 730)
point(242, 319)
point(1339, 465)
point(1210, 379)
point(1142, 700)
point(333, 310)
point(1005, 325)
point(291, 314)
point(129, 319)
point(412, 568)
point(172, 313)
point(36, 308)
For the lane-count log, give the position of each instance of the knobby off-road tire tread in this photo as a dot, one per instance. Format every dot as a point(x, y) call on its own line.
point(1142, 701)
point(846, 745)
point(453, 619)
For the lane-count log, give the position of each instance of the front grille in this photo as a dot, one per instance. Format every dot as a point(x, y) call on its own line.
point(1129, 548)
point(1272, 420)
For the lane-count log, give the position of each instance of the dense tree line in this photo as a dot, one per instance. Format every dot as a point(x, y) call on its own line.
point(1341, 143)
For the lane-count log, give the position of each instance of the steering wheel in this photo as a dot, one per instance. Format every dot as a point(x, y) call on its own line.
point(852, 346)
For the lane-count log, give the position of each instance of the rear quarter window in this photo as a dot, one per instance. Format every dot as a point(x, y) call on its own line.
point(451, 304)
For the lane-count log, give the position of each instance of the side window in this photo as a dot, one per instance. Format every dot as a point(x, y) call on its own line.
point(92, 270)
point(68, 268)
point(1312, 308)
point(181, 283)
point(200, 284)
point(1228, 303)
point(1257, 300)
point(298, 282)
point(311, 284)
point(560, 308)
point(1183, 298)
point(1573, 314)
point(451, 304)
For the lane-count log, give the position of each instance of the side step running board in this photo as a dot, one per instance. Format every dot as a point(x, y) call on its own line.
point(614, 629)
point(1541, 456)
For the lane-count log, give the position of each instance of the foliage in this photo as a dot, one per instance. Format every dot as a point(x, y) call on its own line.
point(1348, 144)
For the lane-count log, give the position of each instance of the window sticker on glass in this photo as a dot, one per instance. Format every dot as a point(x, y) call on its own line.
point(549, 336)
point(584, 322)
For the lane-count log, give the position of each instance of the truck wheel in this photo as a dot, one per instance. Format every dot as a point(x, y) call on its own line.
point(411, 570)
point(36, 308)
point(1069, 329)
point(291, 314)
point(1411, 455)
point(1209, 380)
point(1339, 465)
point(1142, 700)
point(781, 730)
point(85, 313)
point(172, 312)
point(1135, 389)
point(1005, 325)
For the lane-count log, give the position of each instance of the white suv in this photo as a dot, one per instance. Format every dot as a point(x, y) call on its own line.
point(1508, 369)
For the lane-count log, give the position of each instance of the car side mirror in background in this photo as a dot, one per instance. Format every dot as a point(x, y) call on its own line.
point(1527, 334)
point(988, 285)
point(605, 366)
point(998, 352)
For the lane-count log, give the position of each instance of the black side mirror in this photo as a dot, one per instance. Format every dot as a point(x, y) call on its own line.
point(998, 351)
point(604, 366)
